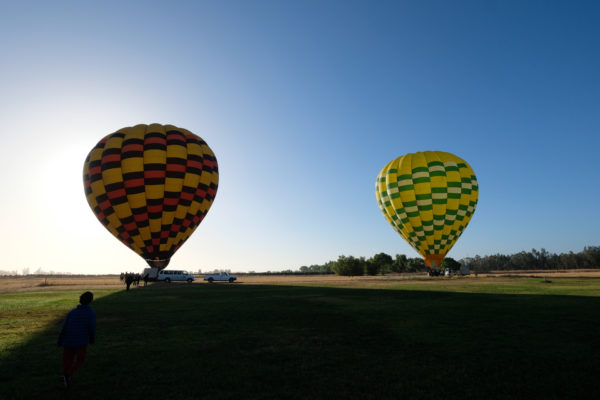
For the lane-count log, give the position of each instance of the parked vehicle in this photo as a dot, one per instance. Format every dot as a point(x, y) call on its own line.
point(221, 276)
point(174, 275)
point(152, 273)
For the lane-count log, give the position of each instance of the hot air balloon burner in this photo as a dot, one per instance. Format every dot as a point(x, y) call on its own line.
point(434, 260)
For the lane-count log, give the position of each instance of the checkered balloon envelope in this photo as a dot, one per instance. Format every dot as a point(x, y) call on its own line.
point(151, 186)
point(428, 198)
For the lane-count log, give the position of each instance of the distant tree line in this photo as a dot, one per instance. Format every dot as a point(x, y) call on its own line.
point(534, 259)
point(383, 263)
point(315, 269)
point(27, 271)
point(380, 263)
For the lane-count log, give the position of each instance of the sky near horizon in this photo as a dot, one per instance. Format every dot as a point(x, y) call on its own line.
point(303, 103)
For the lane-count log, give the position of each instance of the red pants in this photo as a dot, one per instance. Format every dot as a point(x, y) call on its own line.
point(73, 358)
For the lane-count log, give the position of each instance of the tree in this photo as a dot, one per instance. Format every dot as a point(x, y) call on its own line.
point(591, 256)
point(416, 264)
point(327, 267)
point(400, 263)
point(349, 266)
point(371, 267)
point(381, 262)
point(523, 260)
point(451, 264)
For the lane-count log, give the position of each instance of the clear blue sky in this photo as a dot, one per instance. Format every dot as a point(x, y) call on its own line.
point(303, 103)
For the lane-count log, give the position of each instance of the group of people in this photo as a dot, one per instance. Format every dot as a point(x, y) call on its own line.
point(131, 278)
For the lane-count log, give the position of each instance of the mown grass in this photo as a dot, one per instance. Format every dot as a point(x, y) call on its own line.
point(500, 339)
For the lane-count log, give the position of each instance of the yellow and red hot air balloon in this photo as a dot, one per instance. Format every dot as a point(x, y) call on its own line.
point(428, 198)
point(151, 186)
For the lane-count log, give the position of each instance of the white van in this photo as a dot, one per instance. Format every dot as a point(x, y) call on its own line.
point(168, 276)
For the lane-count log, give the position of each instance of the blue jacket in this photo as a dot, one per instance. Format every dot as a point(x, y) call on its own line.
point(79, 328)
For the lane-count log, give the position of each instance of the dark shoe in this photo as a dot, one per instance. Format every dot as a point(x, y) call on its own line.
point(64, 382)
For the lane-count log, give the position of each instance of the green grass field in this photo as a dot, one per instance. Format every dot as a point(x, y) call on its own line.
point(509, 338)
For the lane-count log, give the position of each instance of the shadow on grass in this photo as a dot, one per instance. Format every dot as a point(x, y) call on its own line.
point(289, 342)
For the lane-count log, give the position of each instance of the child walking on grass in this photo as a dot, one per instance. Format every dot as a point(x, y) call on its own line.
point(78, 330)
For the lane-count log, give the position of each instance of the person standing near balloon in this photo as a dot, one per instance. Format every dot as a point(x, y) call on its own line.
point(128, 280)
point(78, 330)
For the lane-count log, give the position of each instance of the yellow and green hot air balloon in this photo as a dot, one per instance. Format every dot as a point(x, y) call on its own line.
point(428, 198)
point(151, 186)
